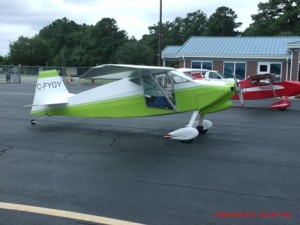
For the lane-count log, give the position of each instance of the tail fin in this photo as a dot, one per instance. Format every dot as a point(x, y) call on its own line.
point(50, 90)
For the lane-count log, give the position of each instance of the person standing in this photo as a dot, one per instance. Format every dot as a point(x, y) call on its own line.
point(7, 77)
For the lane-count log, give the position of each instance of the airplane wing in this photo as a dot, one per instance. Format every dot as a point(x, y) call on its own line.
point(262, 76)
point(120, 71)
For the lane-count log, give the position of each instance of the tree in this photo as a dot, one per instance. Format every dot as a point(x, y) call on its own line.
point(134, 52)
point(276, 17)
point(195, 24)
point(176, 32)
point(222, 23)
point(30, 51)
point(106, 38)
point(63, 37)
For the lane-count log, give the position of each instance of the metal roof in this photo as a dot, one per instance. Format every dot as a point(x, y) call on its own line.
point(240, 46)
point(171, 49)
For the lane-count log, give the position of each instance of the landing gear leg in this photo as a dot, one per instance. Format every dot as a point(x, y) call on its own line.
point(202, 125)
point(34, 121)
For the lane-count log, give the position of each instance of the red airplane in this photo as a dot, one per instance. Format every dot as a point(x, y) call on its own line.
point(269, 86)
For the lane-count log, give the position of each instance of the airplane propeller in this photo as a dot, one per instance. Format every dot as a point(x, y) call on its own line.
point(272, 82)
point(238, 90)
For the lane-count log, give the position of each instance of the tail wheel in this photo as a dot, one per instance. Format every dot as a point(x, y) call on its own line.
point(33, 122)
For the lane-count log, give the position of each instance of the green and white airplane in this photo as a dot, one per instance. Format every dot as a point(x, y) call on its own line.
point(135, 91)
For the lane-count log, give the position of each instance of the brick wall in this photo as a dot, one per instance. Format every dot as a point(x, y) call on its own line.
point(188, 64)
point(251, 69)
point(295, 64)
point(218, 65)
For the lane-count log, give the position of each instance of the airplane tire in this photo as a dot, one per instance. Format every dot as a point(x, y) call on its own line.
point(201, 130)
point(33, 122)
point(187, 141)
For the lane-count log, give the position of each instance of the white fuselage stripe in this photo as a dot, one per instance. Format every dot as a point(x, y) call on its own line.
point(263, 88)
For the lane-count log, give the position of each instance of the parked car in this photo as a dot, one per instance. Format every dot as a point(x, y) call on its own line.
point(204, 74)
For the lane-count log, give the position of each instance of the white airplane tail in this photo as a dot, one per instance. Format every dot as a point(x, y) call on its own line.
point(50, 90)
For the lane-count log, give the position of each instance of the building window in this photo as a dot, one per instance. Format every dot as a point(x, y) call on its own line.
point(263, 68)
point(235, 68)
point(266, 67)
point(202, 65)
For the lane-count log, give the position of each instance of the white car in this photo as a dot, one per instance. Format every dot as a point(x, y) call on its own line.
point(204, 74)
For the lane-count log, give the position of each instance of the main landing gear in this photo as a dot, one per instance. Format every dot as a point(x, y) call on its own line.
point(192, 130)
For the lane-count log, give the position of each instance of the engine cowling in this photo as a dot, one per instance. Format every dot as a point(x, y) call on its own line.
point(183, 134)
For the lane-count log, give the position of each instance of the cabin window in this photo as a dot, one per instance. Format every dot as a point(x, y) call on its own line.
point(214, 75)
point(202, 65)
point(159, 91)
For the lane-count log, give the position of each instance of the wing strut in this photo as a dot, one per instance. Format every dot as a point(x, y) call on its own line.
point(272, 82)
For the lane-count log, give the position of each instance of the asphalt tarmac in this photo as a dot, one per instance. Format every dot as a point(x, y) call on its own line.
point(245, 170)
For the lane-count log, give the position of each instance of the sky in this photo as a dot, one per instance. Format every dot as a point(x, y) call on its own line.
point(26, 18)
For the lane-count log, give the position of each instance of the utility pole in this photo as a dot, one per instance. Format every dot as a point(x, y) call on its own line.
point(159, 34)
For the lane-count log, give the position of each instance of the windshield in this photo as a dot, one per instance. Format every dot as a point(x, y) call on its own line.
point(178, 77)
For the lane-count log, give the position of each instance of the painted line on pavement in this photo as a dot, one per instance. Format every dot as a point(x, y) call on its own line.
point(64, 214)
point(16, 93)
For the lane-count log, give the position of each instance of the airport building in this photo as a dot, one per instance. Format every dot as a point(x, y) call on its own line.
point(241, 56)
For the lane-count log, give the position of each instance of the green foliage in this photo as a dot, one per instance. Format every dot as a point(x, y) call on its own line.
point(106, 38)
point(276, 17)
point(134, 52)
point(222, 23)
point(194, 24)
point(83, 45)
point(4, 60)
point(66, 43)
point(176, 32)
point(30, 51)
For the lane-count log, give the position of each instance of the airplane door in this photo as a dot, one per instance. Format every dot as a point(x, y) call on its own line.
point(159, 92)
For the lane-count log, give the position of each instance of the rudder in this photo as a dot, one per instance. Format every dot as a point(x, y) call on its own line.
point(50, 90)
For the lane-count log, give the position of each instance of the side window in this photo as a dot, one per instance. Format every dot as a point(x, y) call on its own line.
point(214, 75)
point(228, 69)
point(196, 65)
point(275, 68)
point(268, 67)
point(207, 65)
point(202, 65)
point(263, 69)
point(235, 68)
